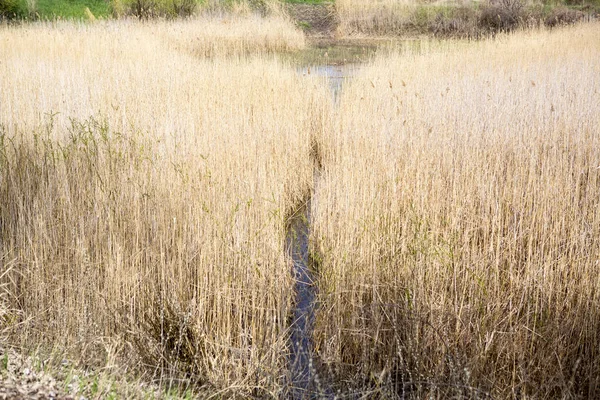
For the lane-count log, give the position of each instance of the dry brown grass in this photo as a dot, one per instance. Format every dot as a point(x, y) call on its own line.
point(391, 17)
point(458, 222)
point(451, 18)
point(144, 192)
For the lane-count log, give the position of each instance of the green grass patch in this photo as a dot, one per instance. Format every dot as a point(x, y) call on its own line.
point(12, 9)
point(69, 9)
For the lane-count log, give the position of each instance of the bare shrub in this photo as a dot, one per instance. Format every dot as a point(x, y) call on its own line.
point(501, 15)
point(461, 23)
point(564, 16)
point(184, 8)
point(145, 9)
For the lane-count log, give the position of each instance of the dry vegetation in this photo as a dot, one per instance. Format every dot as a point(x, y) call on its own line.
point(378, 17)
point(233, 35)
point(457, 18)
point(457, 222)
point(147, 170)
point(144, 192)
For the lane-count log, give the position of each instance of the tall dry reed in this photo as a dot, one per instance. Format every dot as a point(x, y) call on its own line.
point(392, 17)
point(143, 198)
point(457, 222)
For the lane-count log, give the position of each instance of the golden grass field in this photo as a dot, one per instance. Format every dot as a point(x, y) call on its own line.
point(144, 194)
point(457, 221)
point(148, 171)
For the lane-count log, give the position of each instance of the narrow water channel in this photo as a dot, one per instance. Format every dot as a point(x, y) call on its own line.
point(336, 65)
point(307, 377)
point(305, 380)
point(336, 75)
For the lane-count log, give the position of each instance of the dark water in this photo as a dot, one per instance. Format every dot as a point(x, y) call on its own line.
point(307, 378)
point(307, 381)
point(336, 75)
point(303, 317)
